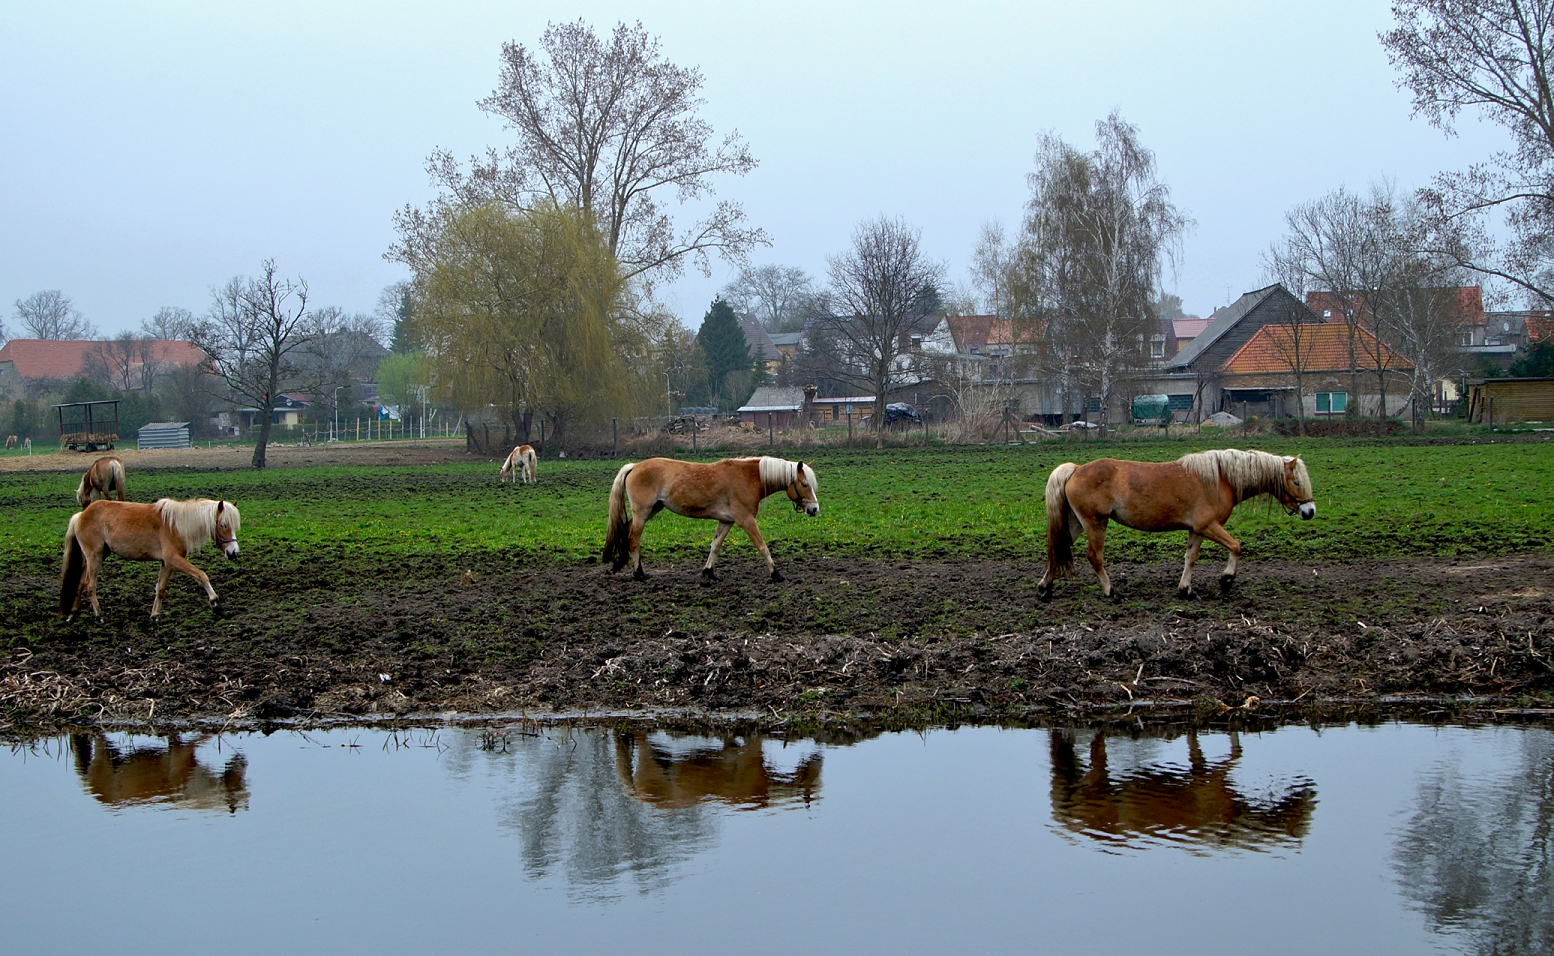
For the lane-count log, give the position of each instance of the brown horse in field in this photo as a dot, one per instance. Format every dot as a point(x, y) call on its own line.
point(10, 441)
point(728, 492)
point(166, 531)
point(523, 461)
point(103, 478)
point(1196, 493)
point(736, 773)
point(1198, 804)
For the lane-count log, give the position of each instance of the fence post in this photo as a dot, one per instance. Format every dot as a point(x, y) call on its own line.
point(615, 438)
point(771, 432)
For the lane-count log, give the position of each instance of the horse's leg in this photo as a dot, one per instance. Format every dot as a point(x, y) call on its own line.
point(161, 589)
point(94, 559)
point(1095, 540)
point(1194, 544)
point(747, 524)
point(639, 517)
point(176, 562)
point(1217, 534)
point(712, 556)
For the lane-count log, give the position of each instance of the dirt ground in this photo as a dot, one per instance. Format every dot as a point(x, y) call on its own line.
point(841, 639)
point(434, 451)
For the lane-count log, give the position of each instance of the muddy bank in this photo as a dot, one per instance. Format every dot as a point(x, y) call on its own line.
point(336, 637)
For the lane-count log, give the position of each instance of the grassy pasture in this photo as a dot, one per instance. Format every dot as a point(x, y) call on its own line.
point(1373, 500)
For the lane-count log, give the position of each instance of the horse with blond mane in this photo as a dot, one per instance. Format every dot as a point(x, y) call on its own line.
point(1196, 493)
point(102, 478)
point(166, 531)
point(523, 461)
point(728, 492)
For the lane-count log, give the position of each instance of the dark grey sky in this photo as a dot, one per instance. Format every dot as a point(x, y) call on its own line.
point(150, 151)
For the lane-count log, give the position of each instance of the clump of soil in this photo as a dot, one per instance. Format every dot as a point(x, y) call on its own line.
point(489, 633)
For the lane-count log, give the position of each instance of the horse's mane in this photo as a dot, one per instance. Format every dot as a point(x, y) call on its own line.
point(194, 521)
point(779, 473)
point(1248, 472)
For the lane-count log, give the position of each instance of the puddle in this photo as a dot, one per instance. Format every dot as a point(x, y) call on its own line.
point(1390, 839)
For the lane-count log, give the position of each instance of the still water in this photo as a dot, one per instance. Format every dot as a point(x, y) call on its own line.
point(1389, 839)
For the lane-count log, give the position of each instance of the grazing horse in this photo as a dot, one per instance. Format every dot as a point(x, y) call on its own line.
point(736, 773)
point(1197, 804)
point(728, 492)
point(10, 441)
point(1196, 493)
point(522, 460)
point(103, 478)
point(166, 531)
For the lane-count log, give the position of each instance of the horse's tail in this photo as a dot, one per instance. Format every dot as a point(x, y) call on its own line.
point(616, 552)
point(1060, 543)
point(531, 465)
point(75, 567)
point(116, 468)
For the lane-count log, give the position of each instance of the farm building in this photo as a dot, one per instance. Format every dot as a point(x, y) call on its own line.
point(1260, 375)
point(163, 435)
point(783, 404)
point(1494, 400)
point(31, 366)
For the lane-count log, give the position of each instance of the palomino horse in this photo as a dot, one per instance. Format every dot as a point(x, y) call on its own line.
point(166, 531)
point(103, 478)
point(736, 773)
point(10, 441)
point(1198, 803)
point(152, 775)
point(728, 492)
point(523, 461)
point(1196, 493)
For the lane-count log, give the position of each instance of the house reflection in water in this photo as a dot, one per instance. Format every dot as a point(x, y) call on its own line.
point(1198, 805)
point(170, 774)
point(673, 773)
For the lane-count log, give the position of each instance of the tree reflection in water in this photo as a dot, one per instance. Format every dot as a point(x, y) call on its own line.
point(1476, 857)
point(155, 774)
point(1198, 806)
point(604, 808)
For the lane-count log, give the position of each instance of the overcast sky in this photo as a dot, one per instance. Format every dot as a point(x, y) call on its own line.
point(150, 151)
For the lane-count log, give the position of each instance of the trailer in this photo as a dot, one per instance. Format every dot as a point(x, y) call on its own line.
point(88, 426)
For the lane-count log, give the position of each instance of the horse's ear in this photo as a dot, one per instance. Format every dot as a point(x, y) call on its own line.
point(219, 506)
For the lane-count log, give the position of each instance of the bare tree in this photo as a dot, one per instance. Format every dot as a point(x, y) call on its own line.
point(1098, 230)
point(881, 291)
point(51, 315)
point(118, 362)
point(249, 337)
point(780, 296)
point(1284, 262)
point(1491, 57)
point(170, 323)
point(605, 127)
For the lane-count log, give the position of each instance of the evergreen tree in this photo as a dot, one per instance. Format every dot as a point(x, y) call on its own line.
point(724, 349)
point(1537, 362)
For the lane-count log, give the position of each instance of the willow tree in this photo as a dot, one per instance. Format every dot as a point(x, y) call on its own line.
point(525, 311)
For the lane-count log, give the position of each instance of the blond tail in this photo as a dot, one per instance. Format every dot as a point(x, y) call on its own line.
point(1060, 543)
point(616, 551)
point(75, 566)
point(118, 478)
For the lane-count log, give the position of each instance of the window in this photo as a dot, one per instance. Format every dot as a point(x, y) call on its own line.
point(1332, 403)
point(1157, 347)
point(1464, 339)
point(1327, 313)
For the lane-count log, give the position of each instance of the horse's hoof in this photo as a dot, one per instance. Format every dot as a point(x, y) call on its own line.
point(1186, 593)
point(640, 575)
point(777, 576)
point(1225, 581)
point(708, 575)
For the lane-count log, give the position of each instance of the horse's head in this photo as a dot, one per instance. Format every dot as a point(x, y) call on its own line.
point(801, 491)
point(1295, 495)
point(227, 523)
point(84, 490)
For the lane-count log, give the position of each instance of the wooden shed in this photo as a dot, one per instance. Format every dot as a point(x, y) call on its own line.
point(163, 435)
point(1495, 400)
point(781, 403)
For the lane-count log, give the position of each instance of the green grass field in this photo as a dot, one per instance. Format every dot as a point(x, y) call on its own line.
point(1374, 500)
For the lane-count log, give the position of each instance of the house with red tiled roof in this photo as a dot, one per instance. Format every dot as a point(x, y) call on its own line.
point(1260, 379)
point(32, 364)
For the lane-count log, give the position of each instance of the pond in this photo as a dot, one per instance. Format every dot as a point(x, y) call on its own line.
point(1379, 839)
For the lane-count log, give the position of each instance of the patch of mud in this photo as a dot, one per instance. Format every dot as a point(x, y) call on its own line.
point(434, 451)
point(342, 636)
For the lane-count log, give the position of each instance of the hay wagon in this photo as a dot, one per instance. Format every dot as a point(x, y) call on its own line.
point(88, 426)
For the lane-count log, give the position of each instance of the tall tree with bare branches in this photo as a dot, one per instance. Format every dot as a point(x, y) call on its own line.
point(609, 127)
point(51, 315)
point(249, 337)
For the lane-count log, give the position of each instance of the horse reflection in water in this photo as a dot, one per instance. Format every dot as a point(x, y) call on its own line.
point(172, 775)
point(1195, 805)
point(735, 773)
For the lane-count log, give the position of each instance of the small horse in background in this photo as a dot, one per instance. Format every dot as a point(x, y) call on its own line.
point(103, 478)
point(10, 441)
point(728, 492)
point(1196, 493)
point(166, 531)
point(523, 461)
